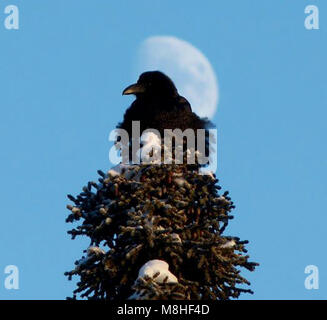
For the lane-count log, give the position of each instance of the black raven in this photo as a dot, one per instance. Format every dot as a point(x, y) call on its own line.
point(159, 106)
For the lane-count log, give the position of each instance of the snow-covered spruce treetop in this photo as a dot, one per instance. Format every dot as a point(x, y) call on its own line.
point(157, 231)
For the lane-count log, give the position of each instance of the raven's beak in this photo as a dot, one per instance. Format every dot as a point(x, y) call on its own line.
point(134, 89)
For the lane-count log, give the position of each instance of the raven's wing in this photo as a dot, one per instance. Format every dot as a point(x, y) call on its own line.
point(184, 104)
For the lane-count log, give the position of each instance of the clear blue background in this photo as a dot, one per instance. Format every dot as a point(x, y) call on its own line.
point(61, 78)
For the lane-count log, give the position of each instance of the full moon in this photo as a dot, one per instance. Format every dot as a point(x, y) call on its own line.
point(187, 66)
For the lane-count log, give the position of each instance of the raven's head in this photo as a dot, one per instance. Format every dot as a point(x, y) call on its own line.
point(152, 84)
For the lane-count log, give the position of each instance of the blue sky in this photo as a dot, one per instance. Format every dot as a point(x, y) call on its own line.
point(61, 78)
